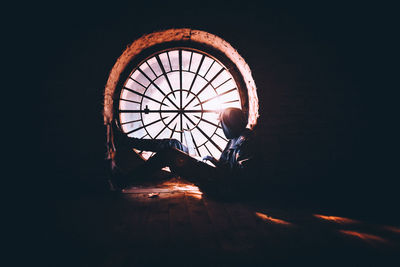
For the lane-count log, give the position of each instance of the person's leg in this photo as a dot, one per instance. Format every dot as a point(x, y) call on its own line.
point(180, 163)
point(151, 168)
point(153, 145)
point(126, 170)
point(170, 153)
point(208, 178)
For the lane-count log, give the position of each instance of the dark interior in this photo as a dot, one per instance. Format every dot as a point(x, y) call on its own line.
point(326, 84)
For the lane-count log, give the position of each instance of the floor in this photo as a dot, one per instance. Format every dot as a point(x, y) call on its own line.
point(173, 223)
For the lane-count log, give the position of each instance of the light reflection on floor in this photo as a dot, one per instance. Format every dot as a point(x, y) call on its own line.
point(174, 185)
point(336, 219)
point(392, 229)
point(169, 189)
point(364, 236)
point(267, 218)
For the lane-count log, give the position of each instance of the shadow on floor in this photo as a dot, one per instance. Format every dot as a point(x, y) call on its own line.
point(174, 223)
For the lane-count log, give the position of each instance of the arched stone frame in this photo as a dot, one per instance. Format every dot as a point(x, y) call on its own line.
point(189, 37)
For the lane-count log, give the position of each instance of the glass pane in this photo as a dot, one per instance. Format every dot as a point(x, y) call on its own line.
point(154, 65)
point(162, 83)
point(231, 105)
point(198, 84)
point(174, 58)
point(222, 77)
point(187, 78)
point(207, 128)
point(146, 69)
point(195, 62)
point(203, 151)
point(214, 151)
point(220, 132)
point(125, 94)
point(140, 78)
point(228, 96)
point(199, 137)
point(205, 66)
point(138, 133)
point(165, 62)
point(186, 59)
point(213, 71)
point(155, 97)
point(213, 117)
point(219, 141)
point(174, 79)
point(155, 128)
point(127, 127)
point(226, 86)
point(127, 117)
point(176, 135)
point(131, 84)
point(126, 105)
point(207, 94)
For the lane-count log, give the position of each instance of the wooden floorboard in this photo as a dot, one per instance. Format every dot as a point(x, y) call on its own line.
point(205, 233)
point(157, 224)
point(245, 225)
point(225, 231)
point(180, 226)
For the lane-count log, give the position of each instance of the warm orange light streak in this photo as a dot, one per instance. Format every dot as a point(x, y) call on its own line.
point(267, 218)
point(195, 195)
point(335, 219)
point(392, 229)
point(191, 189)
point(364, 236)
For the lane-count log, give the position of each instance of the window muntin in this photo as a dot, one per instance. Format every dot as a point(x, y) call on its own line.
point(178, 89)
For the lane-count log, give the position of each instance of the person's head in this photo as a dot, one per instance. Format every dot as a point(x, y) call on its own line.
point(233, 122)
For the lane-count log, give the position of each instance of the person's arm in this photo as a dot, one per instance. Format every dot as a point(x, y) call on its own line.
point(224, 167)
point(212, 160)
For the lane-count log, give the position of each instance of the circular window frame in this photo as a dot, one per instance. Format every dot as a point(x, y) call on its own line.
point(200, 48)
point(189, 38)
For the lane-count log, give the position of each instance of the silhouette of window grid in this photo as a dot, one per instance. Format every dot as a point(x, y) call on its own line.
point(178, 89)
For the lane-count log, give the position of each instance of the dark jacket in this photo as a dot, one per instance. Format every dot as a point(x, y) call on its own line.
point(238, 154)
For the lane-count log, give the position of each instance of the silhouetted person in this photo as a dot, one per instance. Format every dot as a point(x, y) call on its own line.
point(229, 171)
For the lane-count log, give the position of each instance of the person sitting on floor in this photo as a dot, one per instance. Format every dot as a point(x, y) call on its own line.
point(230, 169)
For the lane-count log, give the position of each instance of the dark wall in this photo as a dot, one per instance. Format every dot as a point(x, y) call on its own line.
point(325, 80)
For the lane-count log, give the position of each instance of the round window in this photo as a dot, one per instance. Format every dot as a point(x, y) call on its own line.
point(173, 84)
point(175, 90)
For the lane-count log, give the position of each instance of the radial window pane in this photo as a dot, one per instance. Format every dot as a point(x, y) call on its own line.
point(196, 59)
point(186, 56)
point(129, 95)
point(131, 84)
point(140, 78)
point(154, 66)
point(175, 90)
point(129, 105)
point(174, 59)
point(222, 77)
point(213, 150)
point(148, 72)
point(165, 62)
point(206, 66)
point(214, 72)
